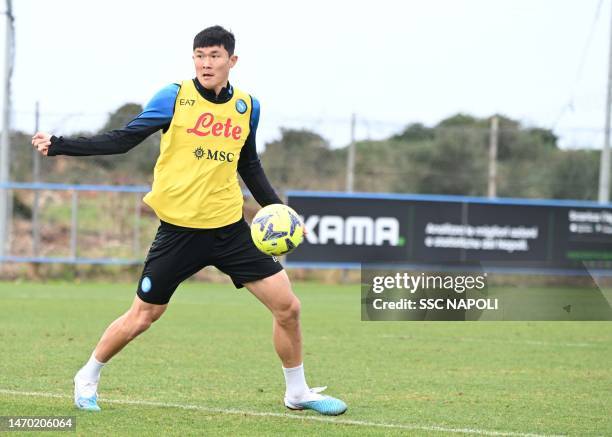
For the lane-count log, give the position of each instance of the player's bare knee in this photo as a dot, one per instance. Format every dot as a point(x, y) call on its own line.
point(139, 322)
point(137, 326)
point(157, 313)
point(289, 314)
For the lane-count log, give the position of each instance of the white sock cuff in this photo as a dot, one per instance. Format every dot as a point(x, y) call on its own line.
point(296, 382)
point(294, 369)
point(93, 357)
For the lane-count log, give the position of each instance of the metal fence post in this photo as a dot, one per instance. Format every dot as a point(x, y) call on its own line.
point(75, 223)
point(136, 242)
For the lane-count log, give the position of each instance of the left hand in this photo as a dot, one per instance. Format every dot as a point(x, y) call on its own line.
point(41, 141)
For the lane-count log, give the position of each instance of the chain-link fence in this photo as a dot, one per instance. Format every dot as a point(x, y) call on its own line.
point(92, 224)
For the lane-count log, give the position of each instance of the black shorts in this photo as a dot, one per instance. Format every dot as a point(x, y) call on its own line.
point(177, 253)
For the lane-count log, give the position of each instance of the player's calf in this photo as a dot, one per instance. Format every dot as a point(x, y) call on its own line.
point(134, 322)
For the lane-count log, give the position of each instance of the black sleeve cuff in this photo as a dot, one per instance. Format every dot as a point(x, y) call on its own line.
point(52, 148)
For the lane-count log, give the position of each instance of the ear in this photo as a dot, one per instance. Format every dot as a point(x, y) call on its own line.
point(233, 60)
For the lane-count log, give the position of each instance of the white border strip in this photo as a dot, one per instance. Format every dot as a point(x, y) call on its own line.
point(288, 416)
point(517, 342)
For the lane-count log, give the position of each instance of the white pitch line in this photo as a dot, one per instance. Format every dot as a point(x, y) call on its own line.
point(289, 416)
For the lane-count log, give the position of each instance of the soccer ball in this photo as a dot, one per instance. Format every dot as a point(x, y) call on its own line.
point(277, 230)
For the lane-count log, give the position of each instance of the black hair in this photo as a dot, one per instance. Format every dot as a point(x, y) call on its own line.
point(215, 36)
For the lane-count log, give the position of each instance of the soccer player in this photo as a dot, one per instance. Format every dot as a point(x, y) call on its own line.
point(208, 137)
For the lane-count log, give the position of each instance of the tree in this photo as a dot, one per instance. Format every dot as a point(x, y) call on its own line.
point(301, 159)
point(415, 132)
point(574, 175)
point(455, 164)
point(135, 166)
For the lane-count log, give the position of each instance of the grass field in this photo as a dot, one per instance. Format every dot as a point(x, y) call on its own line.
point(208, 367)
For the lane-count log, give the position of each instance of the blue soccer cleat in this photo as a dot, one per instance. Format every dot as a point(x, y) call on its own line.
point(322, 404)
point(85, 396)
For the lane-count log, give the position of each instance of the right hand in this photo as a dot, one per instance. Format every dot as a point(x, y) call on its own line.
point(41, 142)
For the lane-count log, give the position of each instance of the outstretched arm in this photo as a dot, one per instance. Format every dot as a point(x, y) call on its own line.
point(156, 115)
point(110, 143)
point(249, 165)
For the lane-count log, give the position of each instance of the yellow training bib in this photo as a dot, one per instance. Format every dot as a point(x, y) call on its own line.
point(195, 178)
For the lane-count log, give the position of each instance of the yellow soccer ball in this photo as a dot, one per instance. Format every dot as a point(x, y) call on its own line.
point(277, 230)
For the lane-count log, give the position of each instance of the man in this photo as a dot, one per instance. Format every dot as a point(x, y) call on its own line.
point(208, 136)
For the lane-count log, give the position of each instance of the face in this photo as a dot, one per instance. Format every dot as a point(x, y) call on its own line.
point(212, 66)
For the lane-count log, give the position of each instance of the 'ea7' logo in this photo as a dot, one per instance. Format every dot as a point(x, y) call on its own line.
point(363, 231)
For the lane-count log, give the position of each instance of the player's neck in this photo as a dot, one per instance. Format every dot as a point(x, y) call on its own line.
point(217, 90)
point(221, 94)
point(220, 88)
